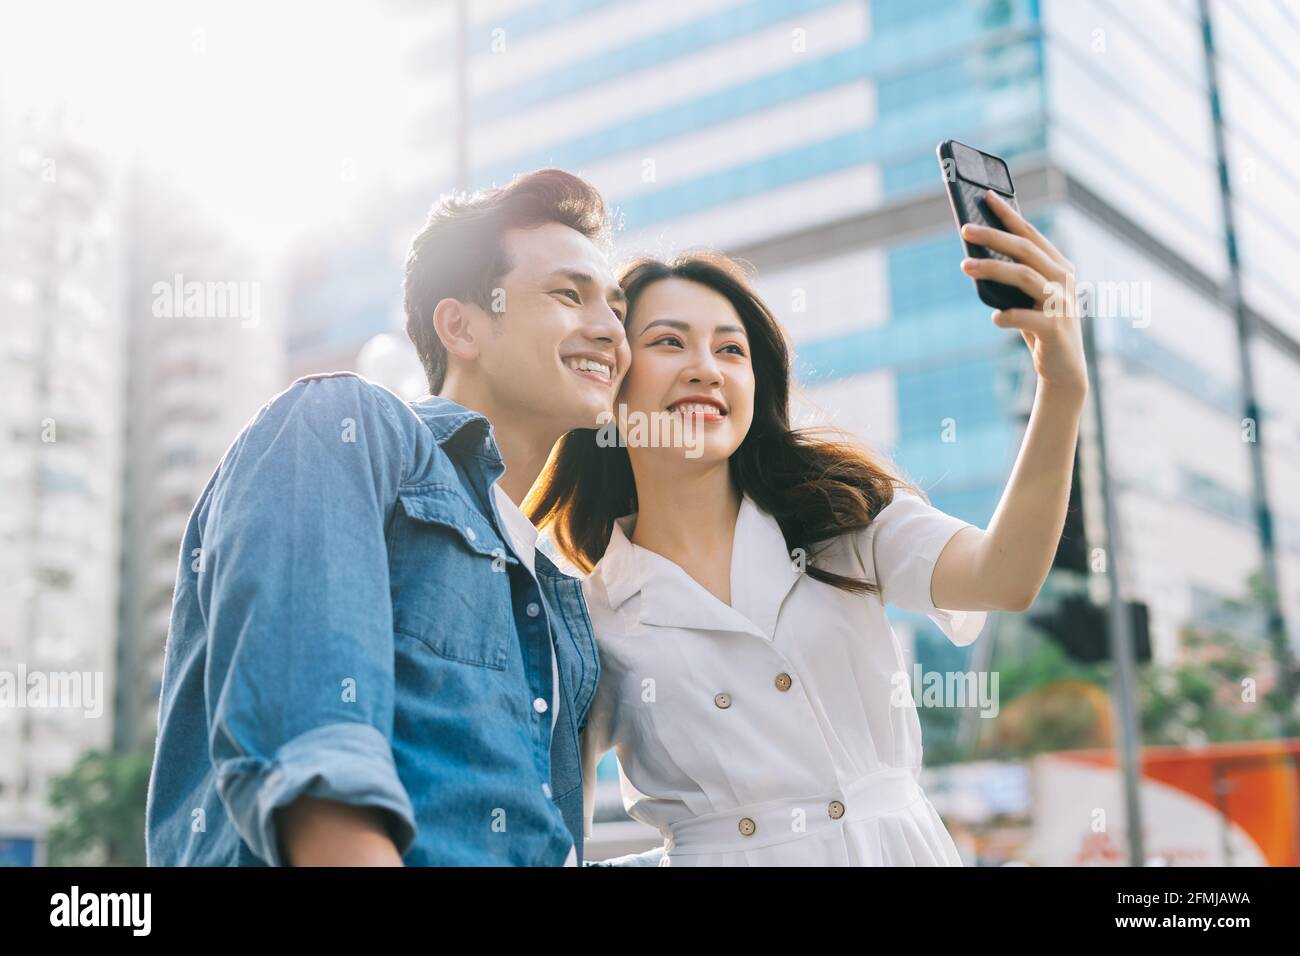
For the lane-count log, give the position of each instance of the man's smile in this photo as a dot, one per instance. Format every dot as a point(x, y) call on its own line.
point(593, 367)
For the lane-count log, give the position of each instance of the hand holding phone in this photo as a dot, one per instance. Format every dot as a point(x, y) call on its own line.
point(1020, 272)
point(969, 174)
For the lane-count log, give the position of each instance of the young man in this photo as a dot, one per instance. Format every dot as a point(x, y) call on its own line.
point(369, 662)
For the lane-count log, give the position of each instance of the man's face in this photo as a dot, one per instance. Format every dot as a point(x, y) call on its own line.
point(556, 351)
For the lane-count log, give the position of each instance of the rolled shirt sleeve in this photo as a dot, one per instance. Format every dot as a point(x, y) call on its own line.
point(906, 539)
point(299, 681)
point(347, 762)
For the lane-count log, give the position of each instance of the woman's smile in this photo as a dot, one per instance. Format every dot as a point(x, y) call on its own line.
point(708, 410)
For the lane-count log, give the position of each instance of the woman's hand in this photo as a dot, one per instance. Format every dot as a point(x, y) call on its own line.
point(1051, 329)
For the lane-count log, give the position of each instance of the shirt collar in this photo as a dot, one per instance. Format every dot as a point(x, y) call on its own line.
point(523, 533)
point(447, 420)
point(762, 574)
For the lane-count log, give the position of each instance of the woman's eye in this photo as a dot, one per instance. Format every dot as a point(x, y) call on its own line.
point(666, 339)
point(739, 350)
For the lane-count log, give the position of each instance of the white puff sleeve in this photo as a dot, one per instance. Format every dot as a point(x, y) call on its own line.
point(905, 540)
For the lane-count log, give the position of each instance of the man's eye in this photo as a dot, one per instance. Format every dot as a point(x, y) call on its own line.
point(573, 292)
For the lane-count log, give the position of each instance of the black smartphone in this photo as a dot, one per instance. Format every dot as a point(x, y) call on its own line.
point(969, 173)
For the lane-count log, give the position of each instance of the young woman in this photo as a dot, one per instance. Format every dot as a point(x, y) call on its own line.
point(751, 684)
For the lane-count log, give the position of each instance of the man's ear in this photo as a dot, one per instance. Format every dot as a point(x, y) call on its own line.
point(453, 323)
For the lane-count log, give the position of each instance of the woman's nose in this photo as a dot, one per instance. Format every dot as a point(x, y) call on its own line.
point(705, 369)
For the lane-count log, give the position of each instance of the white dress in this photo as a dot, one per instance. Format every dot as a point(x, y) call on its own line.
point(780, 730)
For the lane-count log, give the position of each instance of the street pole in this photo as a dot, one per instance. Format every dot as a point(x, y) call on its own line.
point(1288, 677)
point(1124, 681)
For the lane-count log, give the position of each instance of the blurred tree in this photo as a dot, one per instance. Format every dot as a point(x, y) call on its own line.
point(99, 810)
point(1063, 715)
point(1283, 696)
point(1224, 686)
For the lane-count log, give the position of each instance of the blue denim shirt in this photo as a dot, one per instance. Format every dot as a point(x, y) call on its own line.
point(350, 623)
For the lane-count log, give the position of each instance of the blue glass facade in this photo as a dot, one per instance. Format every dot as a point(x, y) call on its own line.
point(952, 68)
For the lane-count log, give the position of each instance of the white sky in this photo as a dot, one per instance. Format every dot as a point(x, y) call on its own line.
point(277, 116)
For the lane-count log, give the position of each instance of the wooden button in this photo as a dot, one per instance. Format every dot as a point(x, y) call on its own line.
point(783, 681)
point(723, 700)
point(836, 809)
point(747, 826)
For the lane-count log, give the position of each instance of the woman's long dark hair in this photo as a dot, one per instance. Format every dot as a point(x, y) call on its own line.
point(816, 488)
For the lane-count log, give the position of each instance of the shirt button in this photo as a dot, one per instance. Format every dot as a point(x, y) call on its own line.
point(836, 809)
point(539, 705)
point(747, 826)
point(723, 700)
point(783, 681)
point(546, 790)
point(469, 533)
point(533, 609)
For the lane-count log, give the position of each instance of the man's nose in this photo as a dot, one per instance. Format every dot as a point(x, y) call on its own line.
point(606, 326)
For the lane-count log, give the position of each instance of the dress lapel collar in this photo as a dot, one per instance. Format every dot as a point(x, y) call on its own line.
point(762, 574)
point(762, 570)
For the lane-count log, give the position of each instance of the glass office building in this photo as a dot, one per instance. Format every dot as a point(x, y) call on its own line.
point(801, 136)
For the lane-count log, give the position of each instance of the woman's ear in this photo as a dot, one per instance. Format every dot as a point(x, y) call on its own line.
point(453, 323)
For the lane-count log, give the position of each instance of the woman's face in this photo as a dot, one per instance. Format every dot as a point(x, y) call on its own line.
point(690, 372)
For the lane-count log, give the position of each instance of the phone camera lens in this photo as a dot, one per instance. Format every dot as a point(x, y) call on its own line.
point(996, 172)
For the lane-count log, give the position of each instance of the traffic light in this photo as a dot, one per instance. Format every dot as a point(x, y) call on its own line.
point(1082, 628)
point(1072, 549)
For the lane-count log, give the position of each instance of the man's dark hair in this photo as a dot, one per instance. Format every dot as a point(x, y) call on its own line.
point(460, 254)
